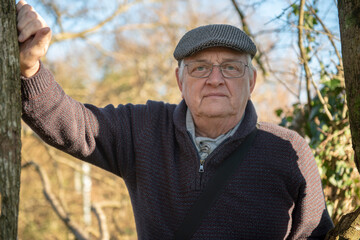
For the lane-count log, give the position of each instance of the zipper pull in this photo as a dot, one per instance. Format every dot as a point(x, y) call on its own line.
point(201, 169)
point(204, 153)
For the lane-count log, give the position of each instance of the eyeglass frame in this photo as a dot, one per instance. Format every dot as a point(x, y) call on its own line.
point(217, 65)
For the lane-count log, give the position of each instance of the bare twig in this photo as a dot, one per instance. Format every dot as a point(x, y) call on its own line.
point(82, 34)
point(304, 58)
point(331, 136)
point(331, 38)
point(282, 82)
point(55, 9)
point(248, 32)
point(101, 217)
point(314, 30)
point(322, 100)
point(74, 165)
point(282, 13)
point(55, 204)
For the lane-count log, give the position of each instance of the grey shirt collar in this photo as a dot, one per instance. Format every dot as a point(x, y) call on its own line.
point(205, 145)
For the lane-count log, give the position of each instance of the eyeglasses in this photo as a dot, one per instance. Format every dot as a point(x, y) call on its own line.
point(201, 69)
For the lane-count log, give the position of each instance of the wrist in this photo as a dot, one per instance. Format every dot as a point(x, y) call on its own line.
point(29, 72)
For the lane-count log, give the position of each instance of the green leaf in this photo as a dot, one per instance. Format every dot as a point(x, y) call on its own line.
point(279, 112)
point(333, 83)
point(295, 8)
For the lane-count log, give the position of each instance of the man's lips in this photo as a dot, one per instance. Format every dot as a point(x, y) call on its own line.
point(215, 95)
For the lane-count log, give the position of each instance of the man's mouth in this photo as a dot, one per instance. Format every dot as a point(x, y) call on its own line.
point(215, 95)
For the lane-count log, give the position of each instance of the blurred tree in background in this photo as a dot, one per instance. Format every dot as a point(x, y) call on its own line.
point(121, 51)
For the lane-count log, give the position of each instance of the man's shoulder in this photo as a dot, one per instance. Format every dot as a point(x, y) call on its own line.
point(161, 105)
point(159, 109)
point(279, 131)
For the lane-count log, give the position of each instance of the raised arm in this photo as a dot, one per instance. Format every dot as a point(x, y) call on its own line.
point(101, 136)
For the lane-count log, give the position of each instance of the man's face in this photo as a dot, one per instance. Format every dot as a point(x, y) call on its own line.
point(216, 96)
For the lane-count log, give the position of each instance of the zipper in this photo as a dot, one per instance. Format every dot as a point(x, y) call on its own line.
point(201, 169)
point(197, 153)
point(204, 153)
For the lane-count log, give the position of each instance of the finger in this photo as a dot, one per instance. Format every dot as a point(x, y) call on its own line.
point(27, 12)
point(33, 49)
point(20, 4)
point(26, 16)
point(38, 45)
point(42, 38)
point(31, 28)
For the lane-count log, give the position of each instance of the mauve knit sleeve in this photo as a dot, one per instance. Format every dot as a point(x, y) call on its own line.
point(84, 131)
point(310, 219)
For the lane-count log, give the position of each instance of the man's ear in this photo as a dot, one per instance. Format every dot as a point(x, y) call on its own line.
point(179, 81)
point(253, 79)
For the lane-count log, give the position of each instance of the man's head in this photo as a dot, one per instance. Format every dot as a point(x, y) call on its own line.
point(215, 74)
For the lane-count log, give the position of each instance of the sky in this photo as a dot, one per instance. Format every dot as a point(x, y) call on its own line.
point(267, 19)
point(266, 15)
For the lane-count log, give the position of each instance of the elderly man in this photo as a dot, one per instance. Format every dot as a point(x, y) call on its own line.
point(167, 154)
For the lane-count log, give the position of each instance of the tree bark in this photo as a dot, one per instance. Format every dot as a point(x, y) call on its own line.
point(349, 18)
point(10, 124)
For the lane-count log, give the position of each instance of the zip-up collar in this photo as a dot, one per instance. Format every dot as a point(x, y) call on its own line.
point(246, 126)
point(205, 145)
point(226, 147)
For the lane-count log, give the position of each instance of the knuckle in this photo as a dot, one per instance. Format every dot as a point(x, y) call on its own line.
point(37, 24)
point(31, 15)
point(19, 5)
point(28, 7)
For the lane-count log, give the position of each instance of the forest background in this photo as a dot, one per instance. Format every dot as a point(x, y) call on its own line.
point(115, 52)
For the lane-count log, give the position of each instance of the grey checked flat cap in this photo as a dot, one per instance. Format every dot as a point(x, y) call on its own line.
point(215, 35)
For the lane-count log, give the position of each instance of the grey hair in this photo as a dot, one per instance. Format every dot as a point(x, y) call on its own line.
point(181, 68)
point(249, 63)
point(251, 66)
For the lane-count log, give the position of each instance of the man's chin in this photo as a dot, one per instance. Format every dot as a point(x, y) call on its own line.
point(216, 113)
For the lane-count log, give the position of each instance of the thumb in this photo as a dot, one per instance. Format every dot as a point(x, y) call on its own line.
point(41, 42)
point(33, 49)
point(43, 37)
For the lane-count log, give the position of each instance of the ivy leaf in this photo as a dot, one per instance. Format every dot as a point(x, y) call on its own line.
point(333, 83)
point(279, 112)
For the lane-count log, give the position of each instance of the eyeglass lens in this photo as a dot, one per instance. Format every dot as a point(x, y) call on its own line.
point(228, 69)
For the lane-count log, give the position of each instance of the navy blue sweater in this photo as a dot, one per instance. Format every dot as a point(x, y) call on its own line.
point(276, 192)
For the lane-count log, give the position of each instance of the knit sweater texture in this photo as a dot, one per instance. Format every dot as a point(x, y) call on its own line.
point(276, 192)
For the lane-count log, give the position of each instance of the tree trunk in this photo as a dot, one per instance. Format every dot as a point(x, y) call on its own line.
point(10, 124)
point(349, 17)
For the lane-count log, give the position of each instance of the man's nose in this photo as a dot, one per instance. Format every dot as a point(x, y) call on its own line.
point(215, 78)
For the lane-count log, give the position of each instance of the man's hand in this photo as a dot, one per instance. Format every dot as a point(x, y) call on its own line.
point(34, 38)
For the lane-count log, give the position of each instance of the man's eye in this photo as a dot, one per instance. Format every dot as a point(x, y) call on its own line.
point(229, 67)
point(200, 68)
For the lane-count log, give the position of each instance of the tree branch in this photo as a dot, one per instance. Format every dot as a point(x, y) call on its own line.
point(55, 204)
point(347, 228)
point(247, 31)
point(64, 36)
point(322, 100)
point(282, 82)
point(55, 9)
point(74, 165)
point(303, 58)
point(101, 217)
point(331, 39)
